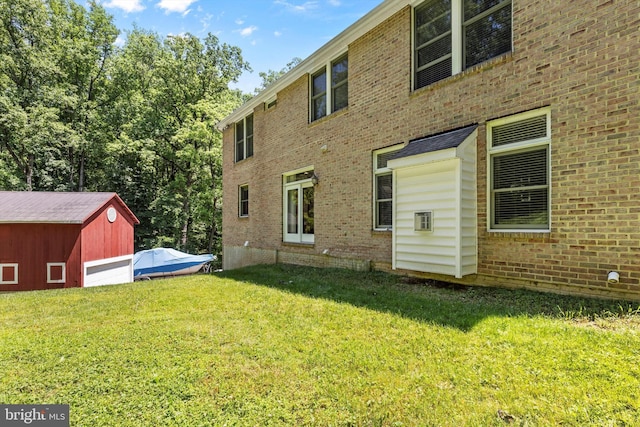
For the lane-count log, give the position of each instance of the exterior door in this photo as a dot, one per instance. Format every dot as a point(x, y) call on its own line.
point(298, 212)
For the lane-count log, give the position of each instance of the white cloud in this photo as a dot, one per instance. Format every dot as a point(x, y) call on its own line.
point(335, 3)
point(179, 6)
point(298, 8)
point(120, 41)
point(126, 5)
point(239, 21)
point(246, 32)
point(277, 33)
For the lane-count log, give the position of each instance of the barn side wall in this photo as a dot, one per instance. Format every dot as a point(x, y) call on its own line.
point(32, 246)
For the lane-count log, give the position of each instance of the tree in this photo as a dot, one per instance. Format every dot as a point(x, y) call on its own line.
point(52, 66)
point(77, 113)
point(271, 76)
point(176, 90)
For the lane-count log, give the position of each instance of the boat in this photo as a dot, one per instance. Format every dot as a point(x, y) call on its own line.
point(163, 262)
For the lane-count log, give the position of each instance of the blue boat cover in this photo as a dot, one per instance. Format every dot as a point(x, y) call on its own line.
point(165, 260)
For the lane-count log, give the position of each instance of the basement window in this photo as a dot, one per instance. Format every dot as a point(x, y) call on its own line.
point(9, 274)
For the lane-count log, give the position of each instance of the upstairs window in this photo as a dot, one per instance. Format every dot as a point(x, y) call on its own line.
point(453, 35)
point(330, 88)
point(519, 171)
point(244, 138)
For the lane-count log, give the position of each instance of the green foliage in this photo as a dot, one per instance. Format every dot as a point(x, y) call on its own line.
point(178, 90)
point(78, 113)
point(271, 76)
point(282, 345)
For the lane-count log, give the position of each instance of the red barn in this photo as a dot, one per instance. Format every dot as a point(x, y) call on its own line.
point(63, 240)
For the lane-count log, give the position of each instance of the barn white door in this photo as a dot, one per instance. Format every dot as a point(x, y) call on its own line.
point(111, 271)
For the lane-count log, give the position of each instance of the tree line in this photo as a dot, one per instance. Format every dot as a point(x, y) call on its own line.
point(79, 113)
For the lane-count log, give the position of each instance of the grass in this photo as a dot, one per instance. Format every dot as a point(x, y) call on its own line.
point(283, 345)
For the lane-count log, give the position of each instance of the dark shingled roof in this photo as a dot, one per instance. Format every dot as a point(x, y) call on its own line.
point(53, 207)
point(438, 142)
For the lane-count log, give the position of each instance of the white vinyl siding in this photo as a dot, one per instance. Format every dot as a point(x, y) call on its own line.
point(444, 183)
point(519, 172)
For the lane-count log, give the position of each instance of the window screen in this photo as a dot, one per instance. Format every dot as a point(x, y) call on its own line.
point(520, 170)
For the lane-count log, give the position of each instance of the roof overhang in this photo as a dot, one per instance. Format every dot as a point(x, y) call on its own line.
point(439, 147)
point(322, 56)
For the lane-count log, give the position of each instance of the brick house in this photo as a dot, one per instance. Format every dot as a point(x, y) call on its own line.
point(486, 142)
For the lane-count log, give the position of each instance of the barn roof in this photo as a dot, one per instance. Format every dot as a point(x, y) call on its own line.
point(54, 207)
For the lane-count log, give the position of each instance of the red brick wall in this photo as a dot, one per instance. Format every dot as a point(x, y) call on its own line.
point(579, 59)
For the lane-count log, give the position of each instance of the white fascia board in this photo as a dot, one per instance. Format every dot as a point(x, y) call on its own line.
point(320, 57)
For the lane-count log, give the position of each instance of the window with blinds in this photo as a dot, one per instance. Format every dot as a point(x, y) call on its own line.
point(453, 35)
point(433, 42)
point(519, 152)
point(383, 188)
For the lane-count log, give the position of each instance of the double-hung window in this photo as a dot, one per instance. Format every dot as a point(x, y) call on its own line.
point(519, 171)
point(453, 35)
point(330, 88)
point(243, 201)
point(244, 138)
point(383, 188)
point(298, 200)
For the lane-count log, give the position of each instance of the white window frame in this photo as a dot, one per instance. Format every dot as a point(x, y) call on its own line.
point(327, 69)
point(240, 200)
point(299, 185)
point(457, 38)
point(245, 138)
point(15, 273)
point(64, 272)
point(378, 172)
point(521, 146)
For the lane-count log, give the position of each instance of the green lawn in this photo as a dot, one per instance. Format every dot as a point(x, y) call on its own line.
point(283, 345)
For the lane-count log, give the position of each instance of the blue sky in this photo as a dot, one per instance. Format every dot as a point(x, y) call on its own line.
point(269, 32)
